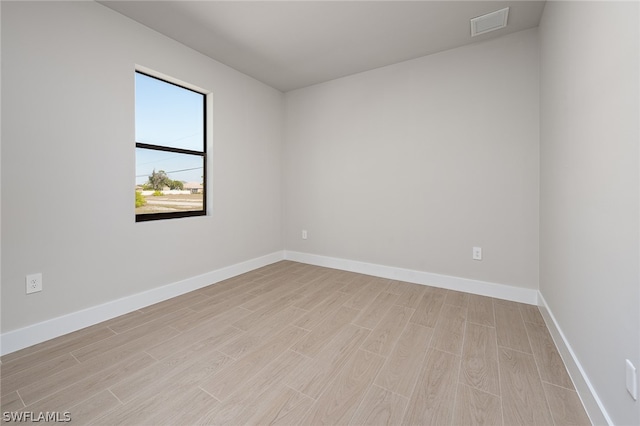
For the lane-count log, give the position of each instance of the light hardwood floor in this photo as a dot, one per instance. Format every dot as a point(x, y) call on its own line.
point(297, 344)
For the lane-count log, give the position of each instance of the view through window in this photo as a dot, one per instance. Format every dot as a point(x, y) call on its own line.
point(170, 149)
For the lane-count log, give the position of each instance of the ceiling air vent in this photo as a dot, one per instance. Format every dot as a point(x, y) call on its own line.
point(489, 22)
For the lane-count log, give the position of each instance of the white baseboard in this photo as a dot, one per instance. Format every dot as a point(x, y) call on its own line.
point(40, 332)
point(592, 403)
point(483, 288)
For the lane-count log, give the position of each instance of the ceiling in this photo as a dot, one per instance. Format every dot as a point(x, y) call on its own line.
point(294, 44)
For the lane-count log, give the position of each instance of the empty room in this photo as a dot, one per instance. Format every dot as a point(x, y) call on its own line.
point(320, 212)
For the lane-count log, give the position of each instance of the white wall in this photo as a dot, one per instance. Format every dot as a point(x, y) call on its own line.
point(413, 164)
point(68, 126)
point(589, 208)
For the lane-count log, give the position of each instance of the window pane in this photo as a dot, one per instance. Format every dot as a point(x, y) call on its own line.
point(169, 182)
point(168, 115)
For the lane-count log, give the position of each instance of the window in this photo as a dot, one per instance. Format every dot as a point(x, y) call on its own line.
point(171, 154)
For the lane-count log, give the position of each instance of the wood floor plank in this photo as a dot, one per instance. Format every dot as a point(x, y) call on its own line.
point(339, 402)
point(373, 313)
point(270, 293)
point(130, 387)
point(254, 338)
point(346, 277)
point(151, 313)
point(550, 364)
point(98, 348)
point(380, 407)
point(274, 373)
point(284, 407)
point(53, 350)
point(171, 305)
point(225, 290)
point(213, 305)
point(360, 281)
point(390, 286)
point(313, 376)
point(223, 384)
point(399, 287)
point(323, 333)
point(480, 310)
point(180, 380)
point(523, 398)
point(479, 367)
point(64, 399)
point(328, 306)
point(382, 339)
point(283, 272)
point(310, 280)
point(531, 313)
point(215, 317)
point(200, 356)
point(457, 298)
point(94, 407)
point(59, 345)
point(318, 292)
point(40, 371)
point(381, 283)
point(184, 409)
point(106, 360)
point(428, 308)
point(153, 410)
point(364, 297)
point(152, 402)
point(11, 402)
point(400, 372)
point(432, 400)
point(474, 407)
point(449, 331)
point(279, 268)
point(245, 401)
point(128, 317)
point(510, 329)
point(566, 407)
point(205, 333)
point(304, 285)
point(191, 374)
point(266, 313)
point(267, 287)
point(354, 286)
point(412, 296)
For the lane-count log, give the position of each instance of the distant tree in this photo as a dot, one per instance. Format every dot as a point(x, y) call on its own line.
point(176, 184)
point(158, 180)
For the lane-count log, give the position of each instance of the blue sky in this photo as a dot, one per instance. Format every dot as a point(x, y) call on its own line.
point(168, 115)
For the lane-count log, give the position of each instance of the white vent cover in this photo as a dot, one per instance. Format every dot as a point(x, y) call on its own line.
point(489, 22)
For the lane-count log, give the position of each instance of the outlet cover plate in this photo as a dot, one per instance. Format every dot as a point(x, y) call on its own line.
point(33, 283)
point(477, 253)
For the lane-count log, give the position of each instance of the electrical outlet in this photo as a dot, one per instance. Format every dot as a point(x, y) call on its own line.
point(304, 234)
point(477, 253)
point(33, 283)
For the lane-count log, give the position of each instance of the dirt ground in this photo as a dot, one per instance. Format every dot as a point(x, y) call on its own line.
point(171, 203)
